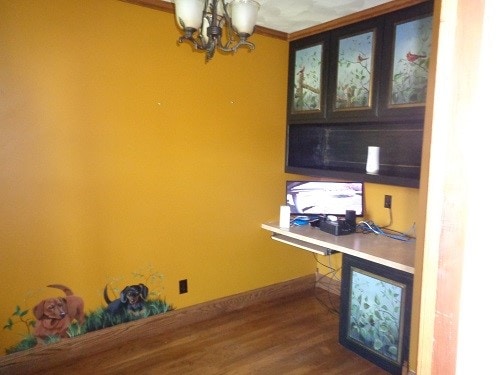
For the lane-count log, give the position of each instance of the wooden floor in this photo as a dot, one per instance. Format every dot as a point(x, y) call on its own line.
point(297, 334)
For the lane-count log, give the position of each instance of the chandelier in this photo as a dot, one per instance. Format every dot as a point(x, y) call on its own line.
point(204, 22)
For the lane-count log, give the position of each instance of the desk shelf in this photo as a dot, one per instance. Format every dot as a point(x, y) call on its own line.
point(376, 248)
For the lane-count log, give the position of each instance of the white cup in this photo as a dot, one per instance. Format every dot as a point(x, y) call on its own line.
point(285, 217)
point(372, 161)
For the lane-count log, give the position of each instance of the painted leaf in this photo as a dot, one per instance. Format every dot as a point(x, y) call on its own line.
point(393, 350)
point(383, 328)
point(377, 345)
point(9, 324)
point(17, 311)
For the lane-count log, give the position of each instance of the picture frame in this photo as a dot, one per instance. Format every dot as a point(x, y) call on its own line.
point(354, 83)
point(375, 312)
point(410, 70)
point(355, 65)
point(307, 78)
point(409, 39)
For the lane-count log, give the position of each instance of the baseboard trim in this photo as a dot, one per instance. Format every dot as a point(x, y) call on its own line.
point(45, 357)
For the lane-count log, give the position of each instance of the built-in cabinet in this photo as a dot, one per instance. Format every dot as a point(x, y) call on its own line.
point(360, 85)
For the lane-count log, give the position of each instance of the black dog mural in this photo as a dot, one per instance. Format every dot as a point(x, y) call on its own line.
point(132, 299)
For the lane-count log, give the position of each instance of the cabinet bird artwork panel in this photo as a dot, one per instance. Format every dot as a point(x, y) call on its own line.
point(410, 71)
point(307, 94)
point(354, 71)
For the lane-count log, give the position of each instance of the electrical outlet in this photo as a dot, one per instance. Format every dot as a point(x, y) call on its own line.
point(388, 201)
point(183, 286)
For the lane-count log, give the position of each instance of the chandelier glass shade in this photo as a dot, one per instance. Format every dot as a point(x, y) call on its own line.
point(205, 21)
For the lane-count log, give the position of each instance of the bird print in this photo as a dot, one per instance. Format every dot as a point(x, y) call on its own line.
point(411, 57)
point(362, 58)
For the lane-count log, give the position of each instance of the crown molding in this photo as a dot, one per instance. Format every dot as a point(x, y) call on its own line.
point(391, 6)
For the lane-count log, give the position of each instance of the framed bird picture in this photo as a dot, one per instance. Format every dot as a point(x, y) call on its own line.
point(410, 63)
point(355, 71)
point(410, 35)
point(307, 78)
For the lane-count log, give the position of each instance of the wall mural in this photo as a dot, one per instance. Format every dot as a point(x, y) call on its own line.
point(63, 316)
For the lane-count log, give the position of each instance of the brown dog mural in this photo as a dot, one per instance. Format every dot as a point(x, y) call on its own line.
point(55, 315)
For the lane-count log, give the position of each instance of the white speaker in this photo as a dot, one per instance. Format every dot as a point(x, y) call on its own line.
point(372, 161)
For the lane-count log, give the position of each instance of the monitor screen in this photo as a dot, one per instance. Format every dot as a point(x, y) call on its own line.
point(324, 197)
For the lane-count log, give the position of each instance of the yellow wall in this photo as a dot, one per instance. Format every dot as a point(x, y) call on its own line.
point(121, 152)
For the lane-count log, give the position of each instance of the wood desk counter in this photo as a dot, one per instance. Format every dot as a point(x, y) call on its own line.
point(373, 247)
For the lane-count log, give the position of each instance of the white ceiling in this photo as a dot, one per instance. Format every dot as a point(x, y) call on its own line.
point(294, 15)
point(289, 16)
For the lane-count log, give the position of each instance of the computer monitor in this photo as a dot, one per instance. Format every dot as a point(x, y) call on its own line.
point(324, 197)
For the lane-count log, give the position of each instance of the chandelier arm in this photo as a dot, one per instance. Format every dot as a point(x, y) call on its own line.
point(241, 43)
point(197, 44)
point(230, 45)
point(244, 42)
